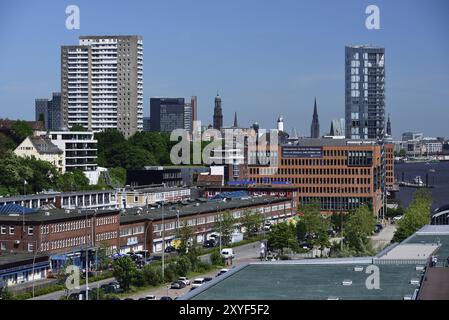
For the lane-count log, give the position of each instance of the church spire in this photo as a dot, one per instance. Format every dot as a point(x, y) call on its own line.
point(315, 127)
point(235, 120)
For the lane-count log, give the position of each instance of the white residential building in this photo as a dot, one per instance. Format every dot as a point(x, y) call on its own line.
point(102, 83)
point(80, 151)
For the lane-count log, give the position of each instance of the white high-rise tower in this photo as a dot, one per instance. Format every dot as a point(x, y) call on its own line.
point(102, 83)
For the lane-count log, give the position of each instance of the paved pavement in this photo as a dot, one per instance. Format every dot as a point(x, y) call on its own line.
point(384, 237)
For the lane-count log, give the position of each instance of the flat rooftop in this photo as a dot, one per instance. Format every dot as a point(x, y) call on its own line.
point(411, 251)
point(187, 208)
point(303, 281)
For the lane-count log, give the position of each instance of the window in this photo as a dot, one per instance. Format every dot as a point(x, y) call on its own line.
point(30, 230)
point(2, 230)
point(30, 247)
point(11, 230)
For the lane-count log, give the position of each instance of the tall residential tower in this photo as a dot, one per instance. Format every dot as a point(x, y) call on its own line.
point(102, 83)
point(365, 92)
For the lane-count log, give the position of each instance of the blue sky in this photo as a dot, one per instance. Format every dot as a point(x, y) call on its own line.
point(266, 58)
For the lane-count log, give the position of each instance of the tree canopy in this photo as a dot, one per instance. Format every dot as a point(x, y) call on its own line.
point(416, 215)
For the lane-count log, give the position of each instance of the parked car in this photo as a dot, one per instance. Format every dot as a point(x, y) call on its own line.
point(222, 271)
point(306, 245)
point(149, 297)
point(177, 285)
point(198, 282)
point(165, 298)
point(207, 279)
point(169, 249)
point(209, 243)
point(185, 280)
point(227, 253)
point(377, 228)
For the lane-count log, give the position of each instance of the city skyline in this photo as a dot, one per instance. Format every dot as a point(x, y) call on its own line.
point(235, 55)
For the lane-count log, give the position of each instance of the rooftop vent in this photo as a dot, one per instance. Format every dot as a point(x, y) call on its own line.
point(347, 282)
point(419, 268)
point(358, 268)
point(67, 211)
point(415, 282)
point(333, 298)
point(47, 213)
point(408, 297)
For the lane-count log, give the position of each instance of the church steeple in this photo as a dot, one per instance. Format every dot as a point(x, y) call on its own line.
point(218, 115)
point(235, 120)
point(315, 127)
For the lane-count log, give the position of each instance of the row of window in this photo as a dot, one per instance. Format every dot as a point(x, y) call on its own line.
point(319, 171)
point(124, 232)
point(64, 243)
point(212, 218)
point(106, 236)
point(106, 220)
point(11, 230)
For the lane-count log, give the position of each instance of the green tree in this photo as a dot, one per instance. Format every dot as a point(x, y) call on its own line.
point(225, 225)
point(128, 156)
point(124, 270)
point(216, 258)
point(313, 223)
point(103, 258)
point(6, 144)
point(251, 221)
point(156, 143)
point(72, 181)
point(185, 235)
point(21, 129)
point(416, 215)
point(283, 235)
point(183, 266)
point(152, 275)
point(358, 229)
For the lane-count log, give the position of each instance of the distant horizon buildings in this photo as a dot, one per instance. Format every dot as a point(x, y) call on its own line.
point(49, 111)
point(168, 114)
point(365, 92)
point(102, 83)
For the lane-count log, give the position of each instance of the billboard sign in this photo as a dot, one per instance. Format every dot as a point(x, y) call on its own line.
point(302, 152)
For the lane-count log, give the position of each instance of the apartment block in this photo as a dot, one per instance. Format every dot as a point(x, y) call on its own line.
point(102, 83)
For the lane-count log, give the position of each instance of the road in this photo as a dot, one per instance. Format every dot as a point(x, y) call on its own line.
point(243, 254)
point(384, 237)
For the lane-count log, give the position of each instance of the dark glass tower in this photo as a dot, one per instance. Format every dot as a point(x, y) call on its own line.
point(315, 127)
point(365, 92)
point(218, 114)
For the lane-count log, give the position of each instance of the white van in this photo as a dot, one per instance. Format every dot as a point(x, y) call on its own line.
point(227, 253)
point(198, 282)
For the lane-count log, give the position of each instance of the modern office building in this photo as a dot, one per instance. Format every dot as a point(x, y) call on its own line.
point(338, 174)
point(146, 124)
point(167, 114)
point(218, 113)
point(49, 111)
point(102, 83)
point(365, 92)
point(315, 126)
